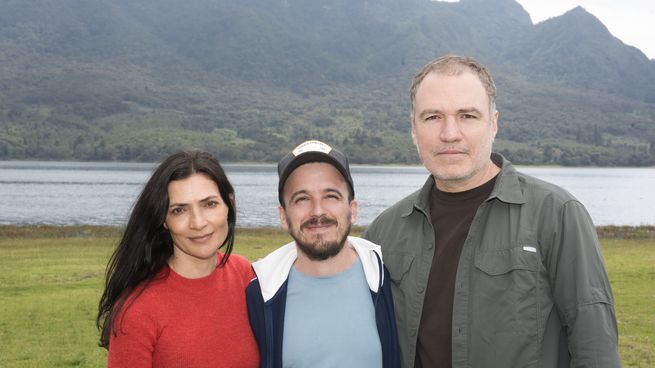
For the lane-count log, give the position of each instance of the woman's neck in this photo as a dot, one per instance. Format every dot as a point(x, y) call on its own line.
point(192, 268)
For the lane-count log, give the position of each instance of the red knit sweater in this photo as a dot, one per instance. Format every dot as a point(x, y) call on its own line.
point(179, 322)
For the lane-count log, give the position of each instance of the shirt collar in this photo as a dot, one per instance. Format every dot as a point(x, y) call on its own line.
point(421, 199)
point(508, 186)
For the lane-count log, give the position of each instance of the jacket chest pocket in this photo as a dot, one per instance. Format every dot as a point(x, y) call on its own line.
point(506, 284)
point(398, 265)
point(504, 299)
point(402, 288)
point(499, 262)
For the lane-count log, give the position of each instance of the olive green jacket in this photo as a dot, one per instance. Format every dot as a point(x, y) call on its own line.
point(531, 287)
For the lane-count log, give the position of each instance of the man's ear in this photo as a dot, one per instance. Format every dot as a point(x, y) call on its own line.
point(283, 217)
point(353, 211)
point(413, 134)
point(494, 122)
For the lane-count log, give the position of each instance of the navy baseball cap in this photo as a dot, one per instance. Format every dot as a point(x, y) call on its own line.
point(312, 151)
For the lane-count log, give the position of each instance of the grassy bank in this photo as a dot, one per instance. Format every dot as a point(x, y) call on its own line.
point(51, 279)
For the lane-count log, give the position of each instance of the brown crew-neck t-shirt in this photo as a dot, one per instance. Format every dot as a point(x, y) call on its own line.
point(451, 215)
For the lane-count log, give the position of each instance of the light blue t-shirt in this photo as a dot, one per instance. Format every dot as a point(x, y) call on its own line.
point(330, 321)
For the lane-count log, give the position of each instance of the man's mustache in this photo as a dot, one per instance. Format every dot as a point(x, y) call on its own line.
point(318, 221)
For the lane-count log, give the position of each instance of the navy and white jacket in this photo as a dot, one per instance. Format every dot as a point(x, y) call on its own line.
point(267, 293)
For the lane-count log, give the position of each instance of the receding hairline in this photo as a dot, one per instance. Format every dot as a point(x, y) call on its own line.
point(453, 65)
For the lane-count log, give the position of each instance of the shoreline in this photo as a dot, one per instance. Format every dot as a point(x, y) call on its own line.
point(92, 231)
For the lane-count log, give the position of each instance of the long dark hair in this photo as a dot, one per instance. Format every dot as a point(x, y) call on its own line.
point(146, 245)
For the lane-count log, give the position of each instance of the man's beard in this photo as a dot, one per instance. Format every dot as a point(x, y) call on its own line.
point(321, 249)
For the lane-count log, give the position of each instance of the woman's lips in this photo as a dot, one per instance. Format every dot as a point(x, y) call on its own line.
point(201, 238)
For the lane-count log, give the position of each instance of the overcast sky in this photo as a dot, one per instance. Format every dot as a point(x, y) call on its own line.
point(631, 21)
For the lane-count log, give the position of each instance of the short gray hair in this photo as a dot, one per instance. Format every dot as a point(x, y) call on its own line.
point(454, 65)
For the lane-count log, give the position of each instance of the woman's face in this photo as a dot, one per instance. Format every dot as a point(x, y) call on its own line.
point(196, 219)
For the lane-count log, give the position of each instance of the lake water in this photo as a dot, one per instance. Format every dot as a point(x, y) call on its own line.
point(75, 193)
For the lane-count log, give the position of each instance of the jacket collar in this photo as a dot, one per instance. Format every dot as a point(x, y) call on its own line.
point(273, 270)
point(421, 199)
point(508, 186)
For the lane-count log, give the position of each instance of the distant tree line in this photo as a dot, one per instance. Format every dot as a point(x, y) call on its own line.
point(43, 133)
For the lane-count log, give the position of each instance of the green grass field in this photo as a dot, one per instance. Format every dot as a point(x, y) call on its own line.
point(51, 279)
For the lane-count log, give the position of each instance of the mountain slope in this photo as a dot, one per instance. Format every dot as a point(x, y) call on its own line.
point(135, 79)
point(577, 50)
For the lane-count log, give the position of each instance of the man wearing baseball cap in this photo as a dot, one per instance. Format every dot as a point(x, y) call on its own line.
point(323, 300)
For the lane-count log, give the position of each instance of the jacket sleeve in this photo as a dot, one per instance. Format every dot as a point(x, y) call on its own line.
point(386, 322)
point(581, 290)
point(370, 233)
point(255, 304)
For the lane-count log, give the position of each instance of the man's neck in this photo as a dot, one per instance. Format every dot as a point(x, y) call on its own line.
point(328, 267)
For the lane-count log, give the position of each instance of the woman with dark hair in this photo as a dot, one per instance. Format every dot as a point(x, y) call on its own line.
point(171, 298)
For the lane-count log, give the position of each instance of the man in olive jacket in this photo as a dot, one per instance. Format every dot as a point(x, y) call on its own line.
point(489, 267)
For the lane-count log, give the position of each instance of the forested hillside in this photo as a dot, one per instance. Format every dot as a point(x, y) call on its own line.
point(137, 79)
